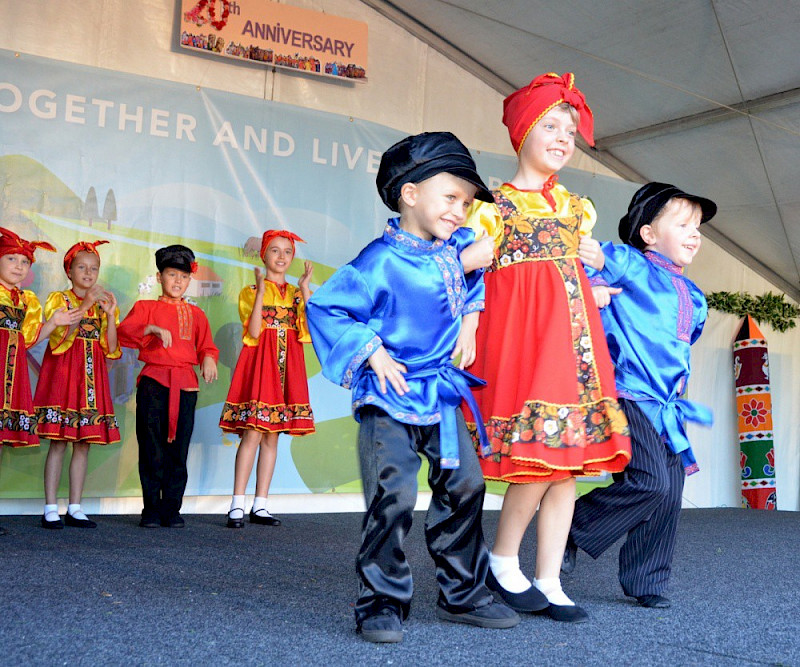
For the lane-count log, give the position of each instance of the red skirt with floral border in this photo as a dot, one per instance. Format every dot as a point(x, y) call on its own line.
point(73, 399)
point(550, 405)
point(17, 416)
point(269, 389)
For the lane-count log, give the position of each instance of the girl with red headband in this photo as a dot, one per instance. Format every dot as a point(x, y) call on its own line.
point(73, 399)
point(550, 403)
point(269, 389)
point(20, 328)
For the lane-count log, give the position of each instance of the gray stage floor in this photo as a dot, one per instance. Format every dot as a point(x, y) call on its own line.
point(122, 595)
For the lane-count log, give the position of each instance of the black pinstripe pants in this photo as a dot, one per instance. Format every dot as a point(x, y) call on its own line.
point(644, 502)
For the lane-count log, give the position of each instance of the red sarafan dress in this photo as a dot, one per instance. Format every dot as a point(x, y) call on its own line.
point(73, 399)
point(269, 388)
point(550, 405)
point(20, 323)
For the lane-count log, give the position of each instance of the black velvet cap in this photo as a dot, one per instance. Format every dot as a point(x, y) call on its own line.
point(421, 156)
point(646, 204)
point(175, 257)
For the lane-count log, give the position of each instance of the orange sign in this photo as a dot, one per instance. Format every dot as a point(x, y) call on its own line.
point(276, 34)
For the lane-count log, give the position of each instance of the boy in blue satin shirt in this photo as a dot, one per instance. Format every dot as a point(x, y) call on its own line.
point(388, 325)
point(652, 314)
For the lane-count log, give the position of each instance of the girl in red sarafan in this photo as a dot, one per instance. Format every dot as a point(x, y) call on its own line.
point(73, 399)
point(269, 389)
point(550, 404)
point(20, 328)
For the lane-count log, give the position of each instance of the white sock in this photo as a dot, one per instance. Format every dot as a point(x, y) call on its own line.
point(506, 570)
point(260, 506)
point(237, 507)
point(76, 512)
point(51, 513)
point(552, 591)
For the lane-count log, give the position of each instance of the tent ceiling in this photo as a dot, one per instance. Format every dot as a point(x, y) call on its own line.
point(701, 93)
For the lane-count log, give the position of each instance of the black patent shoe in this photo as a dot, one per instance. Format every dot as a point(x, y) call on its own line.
point(235, 523)
point(385, 627)
point(527, 602)
point(264, 519)
point(58, 524)
point(71, 521)
point(568, 613)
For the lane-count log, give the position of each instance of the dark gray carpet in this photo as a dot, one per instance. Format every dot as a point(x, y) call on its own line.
point(211, 595)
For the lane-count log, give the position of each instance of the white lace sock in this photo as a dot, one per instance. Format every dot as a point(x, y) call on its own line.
point(506, 570)
point(237, 507)
point(51, 513)
point(76, 512)
point(552, 591)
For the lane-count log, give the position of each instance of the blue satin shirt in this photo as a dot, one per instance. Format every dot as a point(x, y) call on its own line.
point(408, 295)
point(649, 328)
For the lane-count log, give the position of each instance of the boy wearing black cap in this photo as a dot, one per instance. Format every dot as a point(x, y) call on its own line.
point(172, 336)
point(388, 325)
point(651, 313)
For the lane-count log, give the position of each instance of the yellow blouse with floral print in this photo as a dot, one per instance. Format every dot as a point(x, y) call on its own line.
point(10, 315)
point(280, 310)
point(62, 338)
point(486, 216)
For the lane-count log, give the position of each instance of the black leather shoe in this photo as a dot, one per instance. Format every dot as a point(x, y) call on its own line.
point(58, 524)
point(526, 602)
point(71, 521)
point(495, 615)
point(264, 519)
point(384, 627)
point(654, 601)
point(149, 522)
point(175, 521)
point(569, 613)
point(235, 523)
point(570, 555)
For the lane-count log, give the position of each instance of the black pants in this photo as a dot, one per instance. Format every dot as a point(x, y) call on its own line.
point(162, 464)
point(389, 457)
point(644, 502)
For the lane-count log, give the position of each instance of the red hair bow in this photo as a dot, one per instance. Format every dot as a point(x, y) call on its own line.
point(13, 244)
point(80, 246)
point(526, 106)
point(273, 233)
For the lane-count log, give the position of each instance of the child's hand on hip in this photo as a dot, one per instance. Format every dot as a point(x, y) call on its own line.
point(387, 368)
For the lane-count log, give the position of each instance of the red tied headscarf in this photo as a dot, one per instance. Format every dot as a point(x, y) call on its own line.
point(525, 107)
point(80, 246)
point(271, 234)
point(11, 244)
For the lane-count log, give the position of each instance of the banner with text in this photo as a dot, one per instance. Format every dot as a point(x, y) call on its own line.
point(276, 34)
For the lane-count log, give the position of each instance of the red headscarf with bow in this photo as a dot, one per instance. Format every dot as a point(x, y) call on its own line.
point(526, 107)
point(12, 244)
point(273, 233)
point(80, 246)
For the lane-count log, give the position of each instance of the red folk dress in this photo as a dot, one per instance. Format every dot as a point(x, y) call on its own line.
point(550, 404)
point(20, 323)
point(73, 398)
point(269, 389)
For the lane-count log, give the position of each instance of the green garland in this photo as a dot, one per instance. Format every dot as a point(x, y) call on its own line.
point(770, 308)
